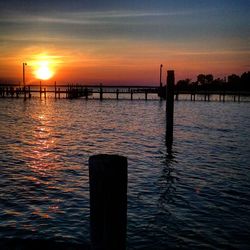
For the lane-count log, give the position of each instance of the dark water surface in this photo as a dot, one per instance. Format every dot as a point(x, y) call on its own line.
point(198, 199)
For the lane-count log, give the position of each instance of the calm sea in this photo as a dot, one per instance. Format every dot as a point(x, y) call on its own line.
point(196, 198)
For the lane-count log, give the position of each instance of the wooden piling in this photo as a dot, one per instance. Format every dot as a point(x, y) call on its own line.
point(55, 91)
point(117, 94)
point(40, 89)
point(24, 93)
point(170, 106)
point(45, 93)
point(108, 201)
point(146, 94)
point(131, 94)
point(101, 92)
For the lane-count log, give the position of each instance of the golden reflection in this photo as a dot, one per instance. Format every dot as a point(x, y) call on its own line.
point(41, 214)
point(43, 156)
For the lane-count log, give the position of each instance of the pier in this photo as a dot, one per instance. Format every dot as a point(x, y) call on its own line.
point(118, 92)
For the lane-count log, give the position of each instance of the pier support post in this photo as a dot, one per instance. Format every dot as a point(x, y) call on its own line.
point(24, 89)
point(45, 93)
point(170, 106)
point(55, 90)
point(101, 92)
point(108, 201)
point(40, 89)
point(146, 94)
point(117, 94)
point(131, 94)
point(29, 92)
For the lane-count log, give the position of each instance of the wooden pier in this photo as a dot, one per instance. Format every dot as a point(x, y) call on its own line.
point(118, 92)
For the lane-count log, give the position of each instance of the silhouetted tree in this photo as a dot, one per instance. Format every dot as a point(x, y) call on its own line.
point(209, 78)
point(233, 82)
point(245, 81)
point(183, 84)
point(201, 78)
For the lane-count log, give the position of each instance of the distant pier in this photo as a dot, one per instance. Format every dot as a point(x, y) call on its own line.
point(85, 91)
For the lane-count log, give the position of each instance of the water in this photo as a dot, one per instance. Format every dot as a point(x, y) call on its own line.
point(196, 198)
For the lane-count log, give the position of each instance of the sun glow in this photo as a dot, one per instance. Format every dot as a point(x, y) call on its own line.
point(43, 71)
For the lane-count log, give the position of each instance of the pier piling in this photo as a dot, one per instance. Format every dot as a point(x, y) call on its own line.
point(108, 201)
point(101, 92)
point(170, 106)
point(117, 94)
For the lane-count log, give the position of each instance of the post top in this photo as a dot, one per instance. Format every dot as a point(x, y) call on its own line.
point(107, 157)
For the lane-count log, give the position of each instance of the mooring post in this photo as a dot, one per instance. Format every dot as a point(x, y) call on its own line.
point(45, 93)
point(131, 94)
point(170, 106)
point(108, 201)
point(146, 94)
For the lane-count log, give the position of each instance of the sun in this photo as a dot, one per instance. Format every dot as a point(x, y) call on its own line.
point(43, 71)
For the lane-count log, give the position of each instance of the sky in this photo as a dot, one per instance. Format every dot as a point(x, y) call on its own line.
point(123, 42)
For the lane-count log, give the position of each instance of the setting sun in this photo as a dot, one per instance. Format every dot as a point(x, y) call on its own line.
point(43, 71)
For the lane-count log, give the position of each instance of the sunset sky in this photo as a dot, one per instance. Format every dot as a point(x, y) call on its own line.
point(124, 42)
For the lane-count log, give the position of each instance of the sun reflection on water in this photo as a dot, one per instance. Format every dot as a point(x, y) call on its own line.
point(43, 156)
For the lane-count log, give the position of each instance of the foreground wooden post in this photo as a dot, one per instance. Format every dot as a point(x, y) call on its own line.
point(108, 201)
point(170, 106)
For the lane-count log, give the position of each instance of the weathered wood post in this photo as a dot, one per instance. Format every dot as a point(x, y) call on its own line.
point(146, 94)
point(108, 201)
point(170, 106)
point(45, 93)
point(131, 94)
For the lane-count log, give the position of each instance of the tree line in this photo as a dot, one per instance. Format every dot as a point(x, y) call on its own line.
point(207, 82)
